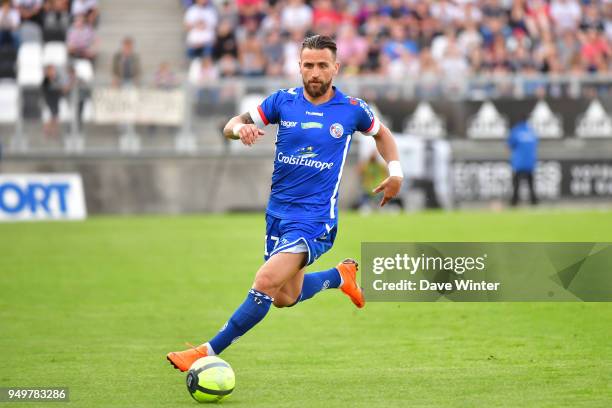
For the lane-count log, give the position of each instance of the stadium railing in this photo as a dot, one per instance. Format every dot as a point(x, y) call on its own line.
point(103, 120)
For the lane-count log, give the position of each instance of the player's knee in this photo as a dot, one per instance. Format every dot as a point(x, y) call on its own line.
point(265, 284)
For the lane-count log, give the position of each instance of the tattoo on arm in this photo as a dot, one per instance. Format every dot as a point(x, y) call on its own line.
point(246, 118)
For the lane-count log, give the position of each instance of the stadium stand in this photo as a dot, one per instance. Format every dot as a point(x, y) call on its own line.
point(415, 49)
point(9, 96)
point(30, 65)
point(397, 36)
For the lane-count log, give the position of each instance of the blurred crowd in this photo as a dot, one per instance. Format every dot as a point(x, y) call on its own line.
point(68, 21)
point(49, 38)
point(401, 38)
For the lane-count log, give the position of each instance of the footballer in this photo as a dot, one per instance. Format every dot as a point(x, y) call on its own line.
point(315, 127)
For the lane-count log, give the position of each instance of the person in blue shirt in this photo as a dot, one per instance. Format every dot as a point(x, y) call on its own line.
point(523, 144)
point(316, 123)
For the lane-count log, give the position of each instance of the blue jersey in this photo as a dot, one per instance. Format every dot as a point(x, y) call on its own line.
point(311, 148)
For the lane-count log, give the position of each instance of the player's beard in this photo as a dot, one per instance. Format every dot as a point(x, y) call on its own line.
point(315, 91)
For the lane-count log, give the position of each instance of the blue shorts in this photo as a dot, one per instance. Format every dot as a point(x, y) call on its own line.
point(314, 238)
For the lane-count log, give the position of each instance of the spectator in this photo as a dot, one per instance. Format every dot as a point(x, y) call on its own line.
point(56, 20)
point(576, 65)
point(52, 91)
point(206, 73)
point(226, 41)
point(325, 18)
point(79, 92)
point(429, 75)
point(9, 25)
point(228, 12)
point(372, 62)
point(595, 51)
point(81, 40)
point(446, 12)
point(272, 21)
point(494, 21)
point(453, 64)
point(407, 66)
point(351, 45)
point(373, 26)
point(520, 59)
point(543, 51)
point(441, 42)
point(566, 14)
point(499, 52)
point(429, 28)
point(228, 66)
point(398, 44)
point(523, 144)
point(591, 18)
point(538, 17)
point(291, 53)
point(517, 21)
point(296, 16)
point(126, 65)
point(470, 12)
point(608, 19)
point(469, 38)
point(476, 61)
point(251, 10)
point(200, 23)
point(250, 56)
point(205, 78)
point(367, 10)
point(164, 77)
point(30, 10)
point(273, 53)
point(395, 10)
point(568, 46)
point(87, 9)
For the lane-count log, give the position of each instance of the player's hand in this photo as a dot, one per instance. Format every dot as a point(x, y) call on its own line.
point(249, 134)
point(390, 188)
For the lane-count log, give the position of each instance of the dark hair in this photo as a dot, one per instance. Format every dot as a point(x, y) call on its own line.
point(320, 42)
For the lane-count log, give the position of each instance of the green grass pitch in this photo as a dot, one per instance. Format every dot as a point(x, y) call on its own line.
point(96, 305)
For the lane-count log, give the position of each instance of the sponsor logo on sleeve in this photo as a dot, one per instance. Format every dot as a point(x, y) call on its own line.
point(288, 124)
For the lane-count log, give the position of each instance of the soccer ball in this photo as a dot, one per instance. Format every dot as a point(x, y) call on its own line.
point(210, 379)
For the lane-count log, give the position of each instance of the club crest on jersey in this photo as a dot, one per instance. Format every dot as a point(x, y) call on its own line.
point(336, 130)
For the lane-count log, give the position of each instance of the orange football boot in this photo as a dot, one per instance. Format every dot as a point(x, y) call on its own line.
point(348, 271)
point(182, 360)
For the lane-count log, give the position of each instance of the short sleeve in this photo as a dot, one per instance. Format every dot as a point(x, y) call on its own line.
point(266, 112)
point(367, 122)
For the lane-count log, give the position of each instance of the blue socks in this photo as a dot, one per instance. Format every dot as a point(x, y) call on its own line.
point(250, 312)
point(317, 281)
point(257, 304)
